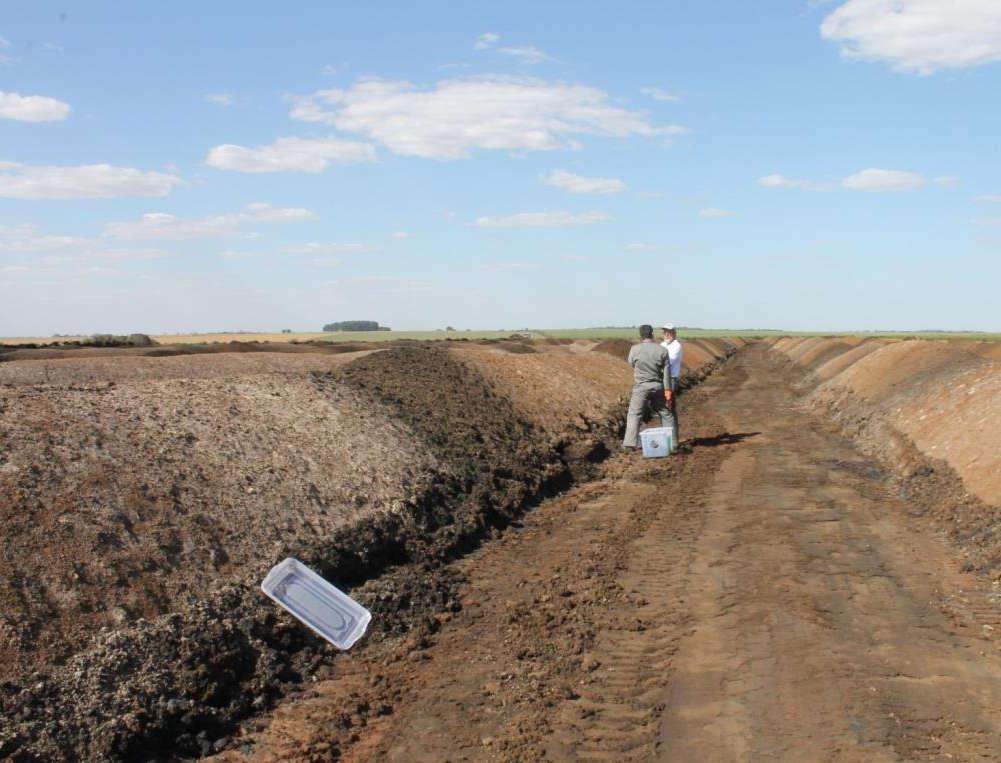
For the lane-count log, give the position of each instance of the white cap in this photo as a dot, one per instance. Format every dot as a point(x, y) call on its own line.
point(668, 327)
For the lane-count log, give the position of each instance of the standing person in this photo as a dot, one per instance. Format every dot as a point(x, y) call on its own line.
point(675, 350)
point(651, 385)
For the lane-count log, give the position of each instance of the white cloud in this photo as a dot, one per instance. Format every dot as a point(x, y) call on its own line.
point(882, 181)
point(949, 182)
point(659, 94)
point(50, 250)
point(987, 221)
point(579, 184)
point(290, 155)
point(542, 220)
point(331, 70)
point(712, 213)
point(401, 234)
point(641, 247)
point(919, 36)
point(455, 116)
point(527, 54)
point(32, 108)
point(315, 247)
point(88, 181)
point(160, 225)
point(993, 199)
point(486, 40)
point(95, 253)
point(509, 267)
point(220, 99)
point(780, 181)
point(26, 238)
point(325, 262)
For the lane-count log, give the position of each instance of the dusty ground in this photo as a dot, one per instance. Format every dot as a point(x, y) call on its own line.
point(764, 597)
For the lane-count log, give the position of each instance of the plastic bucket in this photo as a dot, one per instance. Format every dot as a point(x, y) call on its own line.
point(657, 442)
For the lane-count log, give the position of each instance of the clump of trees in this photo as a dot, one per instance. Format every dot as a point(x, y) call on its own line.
point(355, 326)
point(116, 340)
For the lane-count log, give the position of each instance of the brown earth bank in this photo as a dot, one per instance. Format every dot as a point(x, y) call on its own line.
point(765, 595)
point(146, 495)
point(930, 412)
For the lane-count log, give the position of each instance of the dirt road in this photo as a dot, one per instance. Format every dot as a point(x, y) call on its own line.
point(763, 597)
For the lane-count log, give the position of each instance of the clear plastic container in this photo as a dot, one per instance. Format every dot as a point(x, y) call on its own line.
point(657, 441)
point(326, 611)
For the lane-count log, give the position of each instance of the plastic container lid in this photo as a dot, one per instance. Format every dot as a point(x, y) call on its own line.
point(326, 611)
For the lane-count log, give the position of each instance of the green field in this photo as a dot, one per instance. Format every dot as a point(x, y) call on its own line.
point(623, 332)
point(696, 333)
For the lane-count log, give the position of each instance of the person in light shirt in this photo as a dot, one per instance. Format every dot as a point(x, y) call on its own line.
point(651, 366)
point(675, 351)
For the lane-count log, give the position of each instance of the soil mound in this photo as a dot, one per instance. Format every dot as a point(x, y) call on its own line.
point(930, 410)
point(616, 347)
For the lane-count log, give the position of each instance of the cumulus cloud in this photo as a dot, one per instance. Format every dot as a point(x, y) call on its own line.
point(542, 220)
point(711, 213)
point(920, 36)
point(455, 116)
point(219, 99)
point(486, 40)
point(160, 225)
point(88, 181)
point(883, 181)
point(780, 181)
point(580, 184)
point(315, 247)
point(32, 108)
point(290, 155)
point(659, 94)
point(526, 54)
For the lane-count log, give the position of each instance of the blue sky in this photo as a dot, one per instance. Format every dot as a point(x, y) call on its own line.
point(222, 166)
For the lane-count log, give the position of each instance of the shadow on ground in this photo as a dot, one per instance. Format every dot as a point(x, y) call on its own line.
point(727, 438)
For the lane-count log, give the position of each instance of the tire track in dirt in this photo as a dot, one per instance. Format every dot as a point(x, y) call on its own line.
point(820, 627)
point(617, 715)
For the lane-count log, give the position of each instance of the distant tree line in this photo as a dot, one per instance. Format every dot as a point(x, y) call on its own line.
point(355, 326)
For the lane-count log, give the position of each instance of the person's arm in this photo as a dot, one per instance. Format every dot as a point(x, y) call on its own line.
point(668, 394)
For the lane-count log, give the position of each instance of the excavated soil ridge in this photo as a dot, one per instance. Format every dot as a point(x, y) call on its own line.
point(178, 683)
point(870, 407)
